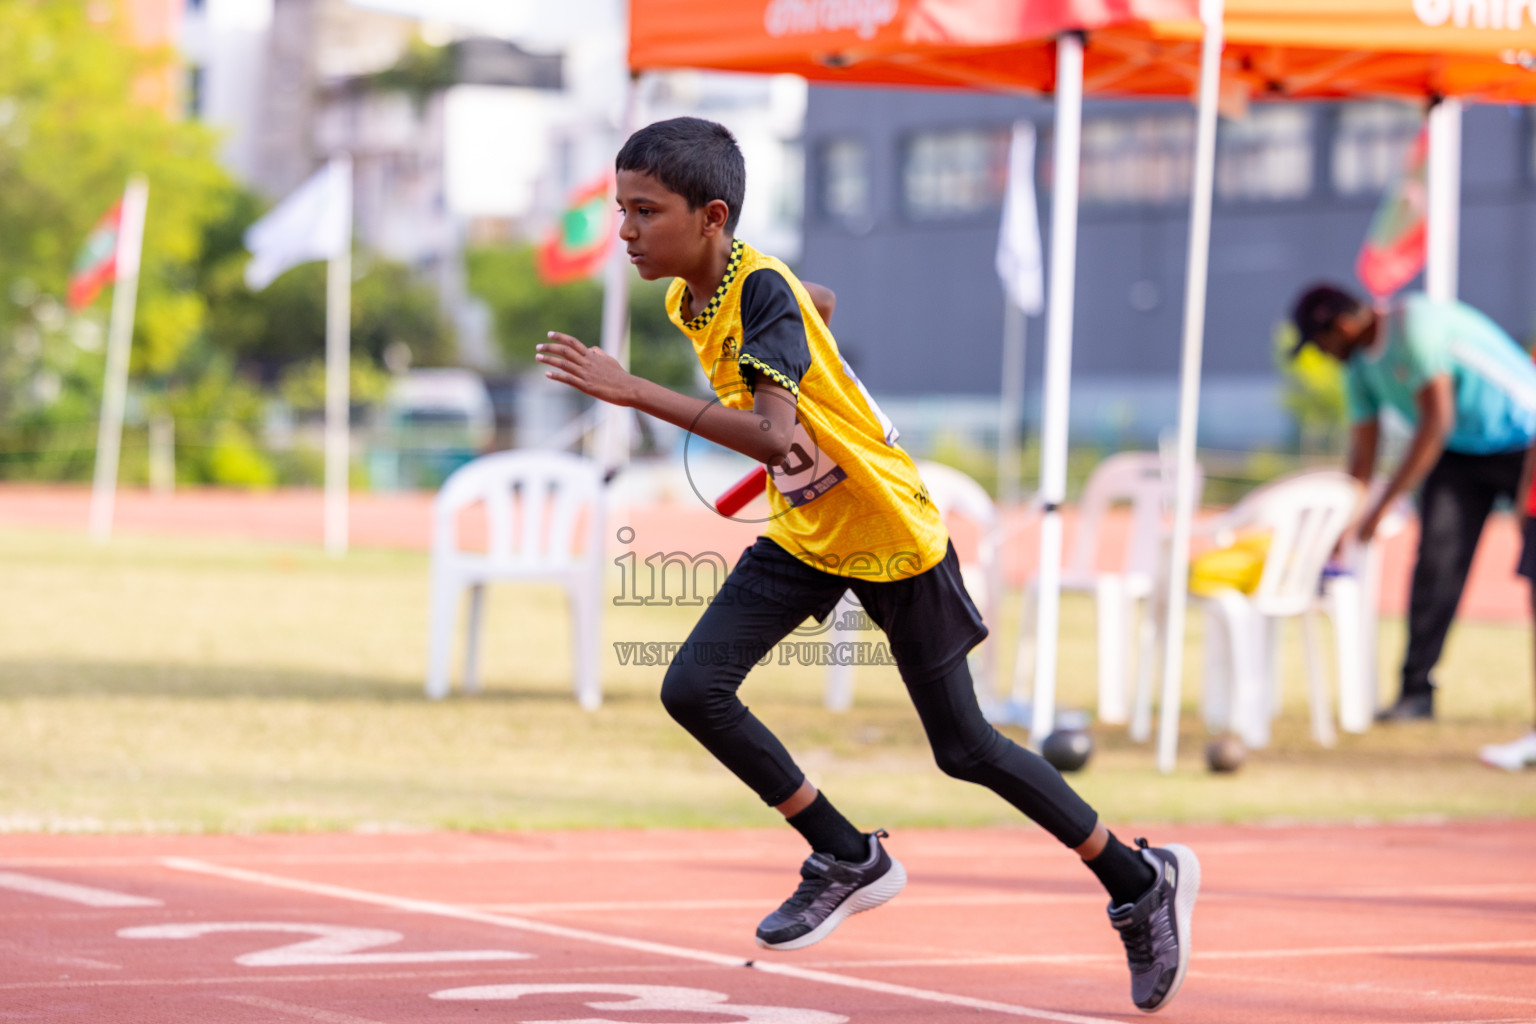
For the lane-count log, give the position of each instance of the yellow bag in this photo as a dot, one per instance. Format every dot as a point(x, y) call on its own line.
point(1238, 567)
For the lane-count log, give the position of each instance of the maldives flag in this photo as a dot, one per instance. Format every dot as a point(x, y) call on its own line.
point(577, 246)
point(1393, 253)
point(96, 263)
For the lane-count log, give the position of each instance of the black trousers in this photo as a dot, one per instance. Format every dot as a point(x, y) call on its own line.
point(1457, 497)
point(931, 624)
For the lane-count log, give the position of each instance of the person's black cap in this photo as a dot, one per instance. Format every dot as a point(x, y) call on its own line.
point(1316, 310)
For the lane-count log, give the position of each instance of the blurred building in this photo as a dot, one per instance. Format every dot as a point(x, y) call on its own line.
point(904, 192)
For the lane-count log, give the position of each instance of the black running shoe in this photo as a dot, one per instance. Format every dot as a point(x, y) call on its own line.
point(1155, 929)
point(831, 890)
point(1410, 707)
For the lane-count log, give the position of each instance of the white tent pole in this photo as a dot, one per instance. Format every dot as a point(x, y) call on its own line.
point(338, 368)
point(114, 391)
point(1189, 382)
point(1058, 369)
point(1443, 227)
point(612, 446)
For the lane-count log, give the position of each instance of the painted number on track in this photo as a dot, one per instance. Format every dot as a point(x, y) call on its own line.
point(647, 998)
point(332, 944)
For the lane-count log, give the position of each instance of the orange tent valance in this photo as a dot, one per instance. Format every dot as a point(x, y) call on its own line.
point(1305, 49)
point(992, 44)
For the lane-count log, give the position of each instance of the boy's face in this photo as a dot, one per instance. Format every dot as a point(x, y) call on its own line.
point(662, 236)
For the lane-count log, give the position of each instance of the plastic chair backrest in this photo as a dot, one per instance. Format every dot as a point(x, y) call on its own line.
point(534, 502)
point(1305, 513)
point(955, 493)
point(1145, 480)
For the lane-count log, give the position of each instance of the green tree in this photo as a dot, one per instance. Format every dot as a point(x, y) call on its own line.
point(524, 310)
point(72, 131)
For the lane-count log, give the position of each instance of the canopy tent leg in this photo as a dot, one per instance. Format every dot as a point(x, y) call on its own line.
point(1443, 227)
point(1062, 281)
point(1189, 382)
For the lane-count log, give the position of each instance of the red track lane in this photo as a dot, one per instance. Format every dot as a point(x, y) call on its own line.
point(1431, 923)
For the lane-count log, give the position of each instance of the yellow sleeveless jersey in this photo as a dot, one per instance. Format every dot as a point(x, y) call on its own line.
point(848, 499)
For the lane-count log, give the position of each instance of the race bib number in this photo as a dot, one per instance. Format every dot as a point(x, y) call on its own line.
point(807, 472)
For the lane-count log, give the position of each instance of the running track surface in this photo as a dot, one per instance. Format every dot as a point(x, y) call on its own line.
point(1406, 923)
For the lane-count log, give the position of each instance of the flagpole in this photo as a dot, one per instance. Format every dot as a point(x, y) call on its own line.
point(114, 392)
point(1010, 411)
point(338, 367)
point(612, 446)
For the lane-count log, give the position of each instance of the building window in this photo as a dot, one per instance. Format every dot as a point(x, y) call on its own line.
point(1371, 144)
point(845, 180)
point(954, 172)
point(1145, 159)
point(1266, 155)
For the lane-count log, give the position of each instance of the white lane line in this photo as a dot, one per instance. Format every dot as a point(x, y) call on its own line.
point(907, 900)
point(73, 893)
point(1203, 955)
point(620, 942)
point(303, 1012)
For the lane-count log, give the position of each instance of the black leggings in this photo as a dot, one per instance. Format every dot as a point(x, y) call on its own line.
point(739, 627)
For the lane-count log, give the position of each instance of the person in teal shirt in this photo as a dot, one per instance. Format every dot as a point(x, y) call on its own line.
point(1468, 392)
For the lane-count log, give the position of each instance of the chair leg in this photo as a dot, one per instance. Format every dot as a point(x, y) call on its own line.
point(1113, 632)
point(586, 641)
point(1248, 715)
point(1024, 651)
point(1216, 684)
point(1149, 659)
point(442, 618)
point(1356, 693)
point(1271, 663)
point(1317, 685)
point(839, 691)
point(472, 638)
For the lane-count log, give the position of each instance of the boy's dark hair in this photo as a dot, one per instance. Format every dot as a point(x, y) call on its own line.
point(697, 159)
point(1316, 310)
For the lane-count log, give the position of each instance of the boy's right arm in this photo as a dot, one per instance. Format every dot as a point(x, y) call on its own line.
point(764, 432)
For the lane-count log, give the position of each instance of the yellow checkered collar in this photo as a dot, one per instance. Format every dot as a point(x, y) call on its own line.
point(698, 323)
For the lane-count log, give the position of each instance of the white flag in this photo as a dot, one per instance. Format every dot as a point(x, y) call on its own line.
point(1018, 240)
point(313, 223)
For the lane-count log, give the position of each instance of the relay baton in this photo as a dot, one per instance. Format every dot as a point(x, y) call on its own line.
point(742, 491)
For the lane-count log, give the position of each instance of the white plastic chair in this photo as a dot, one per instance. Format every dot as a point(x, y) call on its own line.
point(1145, 480)
point(955, 495)
point(534, 503)
point(1305, 514)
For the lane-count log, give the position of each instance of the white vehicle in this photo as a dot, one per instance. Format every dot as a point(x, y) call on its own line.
point(432, 422)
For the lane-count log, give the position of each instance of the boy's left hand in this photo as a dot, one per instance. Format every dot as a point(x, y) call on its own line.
point(588, 370)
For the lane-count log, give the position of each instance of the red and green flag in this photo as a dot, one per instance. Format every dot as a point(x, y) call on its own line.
point(96, 263)
point(1393, 253)
point(578, 245)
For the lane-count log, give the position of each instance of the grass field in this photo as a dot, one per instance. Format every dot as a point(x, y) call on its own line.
point(188, 685)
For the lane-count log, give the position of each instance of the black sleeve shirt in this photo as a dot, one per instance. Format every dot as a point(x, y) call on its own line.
point(773, 341)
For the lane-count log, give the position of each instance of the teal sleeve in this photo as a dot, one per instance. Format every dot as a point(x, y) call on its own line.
point(1427, 335)
point(1359, 404)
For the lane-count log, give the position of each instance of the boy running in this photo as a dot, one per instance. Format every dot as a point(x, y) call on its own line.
point(849, 513)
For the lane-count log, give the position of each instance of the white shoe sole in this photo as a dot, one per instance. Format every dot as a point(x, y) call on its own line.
point(869, 897)
point(1186, 890)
